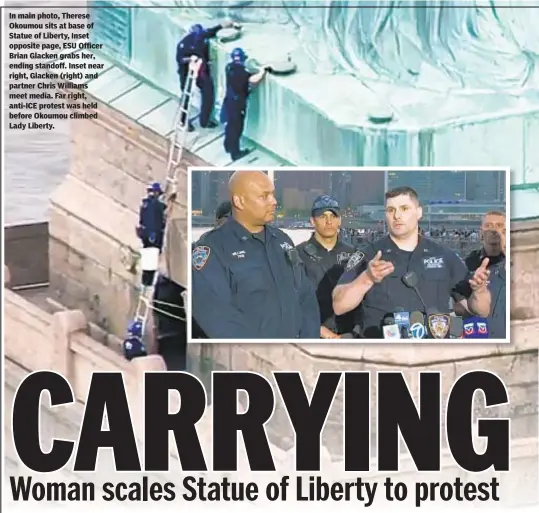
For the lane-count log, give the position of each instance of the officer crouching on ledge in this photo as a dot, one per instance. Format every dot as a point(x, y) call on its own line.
point(325, 257)
point(376, 284)
point(248, 281)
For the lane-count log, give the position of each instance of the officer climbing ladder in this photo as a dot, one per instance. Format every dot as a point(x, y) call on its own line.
point(133, 343)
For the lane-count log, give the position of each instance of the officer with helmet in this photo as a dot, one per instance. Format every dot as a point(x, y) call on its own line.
point(133, 345)
point(238, 86)
point(196, 44)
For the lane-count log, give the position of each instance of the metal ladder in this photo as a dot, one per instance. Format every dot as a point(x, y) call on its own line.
point(176, 146)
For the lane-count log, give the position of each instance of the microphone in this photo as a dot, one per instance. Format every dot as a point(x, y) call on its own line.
point(456, 327)
point(475, 327)
point(402, 320)
point(411, 280)
point(417, 325)
point(390, 330)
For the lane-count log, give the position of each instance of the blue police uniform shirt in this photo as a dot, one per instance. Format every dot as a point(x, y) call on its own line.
point(195, 44)
point(441, 275)
point(497, 320)
point(152, 218)
point(237, 82)
point(251, 287)
point(324, 268)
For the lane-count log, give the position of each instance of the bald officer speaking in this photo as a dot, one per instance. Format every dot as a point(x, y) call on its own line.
point(248, 280)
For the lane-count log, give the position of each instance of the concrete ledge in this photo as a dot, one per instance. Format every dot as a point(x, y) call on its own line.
point(37, 340)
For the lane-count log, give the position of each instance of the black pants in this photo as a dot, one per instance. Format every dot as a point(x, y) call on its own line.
point(171, 329)
point(205, 85)
point(234, 130)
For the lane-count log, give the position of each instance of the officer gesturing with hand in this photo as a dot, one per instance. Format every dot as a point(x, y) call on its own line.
point(378, 269)
point(375, 284)
point(479, 280)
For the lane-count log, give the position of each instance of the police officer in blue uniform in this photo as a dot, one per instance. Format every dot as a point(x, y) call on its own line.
point(196, 44)
point(151, 227)
point(325, 256)
point(248, 280)
point(493, 236)
point(222, 213)
point(238, 86)
point(373, 280)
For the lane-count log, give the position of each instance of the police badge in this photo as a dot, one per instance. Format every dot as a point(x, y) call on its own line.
point(354, 260)
point(439, 325)
point(200, 257)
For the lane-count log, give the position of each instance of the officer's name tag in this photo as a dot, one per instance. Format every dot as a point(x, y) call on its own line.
point(434, 263)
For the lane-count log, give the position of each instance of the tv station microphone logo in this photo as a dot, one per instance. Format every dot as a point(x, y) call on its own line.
point(402, 318)
point(468, 329)
point(482, 328)
point(417, 331)
point(392, 332)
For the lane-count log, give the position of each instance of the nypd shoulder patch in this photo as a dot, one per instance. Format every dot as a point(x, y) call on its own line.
point(354, 261)
point(200, 257)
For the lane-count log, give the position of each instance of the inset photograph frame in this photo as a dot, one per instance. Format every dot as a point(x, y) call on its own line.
point(303, 244)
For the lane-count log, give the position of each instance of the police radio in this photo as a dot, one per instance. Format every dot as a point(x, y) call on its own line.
point(293, 258)
point(411, 280)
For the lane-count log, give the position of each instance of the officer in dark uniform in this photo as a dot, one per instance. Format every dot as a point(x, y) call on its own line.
point(196, 43)
point(248, 280)
point(374, 281)
point(238, 85)
point(325, 256)
point(497, 320)
point(151, 226)
point(493, 237)
point(222, 214)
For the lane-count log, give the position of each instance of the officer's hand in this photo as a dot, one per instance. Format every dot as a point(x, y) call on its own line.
point(193, 59)
point(327, 333)
point(480, 278)
point(378, 269)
